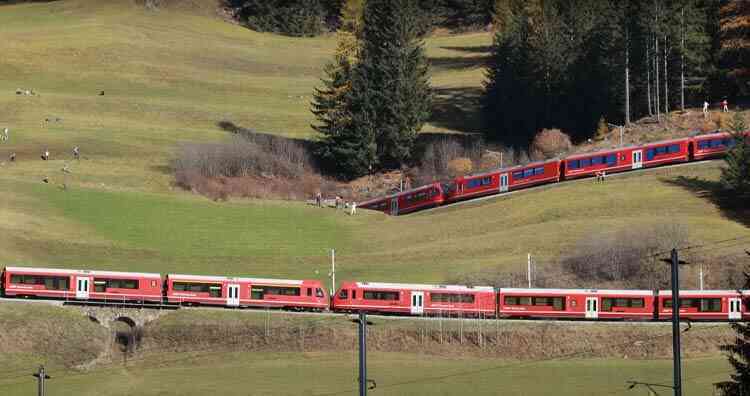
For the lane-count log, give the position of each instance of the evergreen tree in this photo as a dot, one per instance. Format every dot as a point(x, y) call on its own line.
point(340, 146)
point(739, 358)
point(390, 84)
point(736, 176)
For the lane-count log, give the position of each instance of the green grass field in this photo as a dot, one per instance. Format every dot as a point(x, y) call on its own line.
point(169, 76)
point(395, 373)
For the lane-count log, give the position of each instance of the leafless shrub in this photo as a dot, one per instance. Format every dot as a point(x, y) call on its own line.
point(549, 143)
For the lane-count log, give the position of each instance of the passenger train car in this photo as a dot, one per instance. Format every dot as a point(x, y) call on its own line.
point(576, 166)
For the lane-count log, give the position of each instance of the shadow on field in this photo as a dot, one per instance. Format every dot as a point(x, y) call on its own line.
point(458, 62)
point(457, 109)
point(713, 192)
point(479, 49)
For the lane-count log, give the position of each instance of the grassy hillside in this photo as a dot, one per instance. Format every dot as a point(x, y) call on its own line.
point(169, 76)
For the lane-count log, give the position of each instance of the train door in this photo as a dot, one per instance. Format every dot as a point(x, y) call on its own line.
point(394, 206)
point(735, 309)
point(417, 303)
point(504, 182)
point(233, 295)
point(637, 159)
point(592, 307)
point(82, 287)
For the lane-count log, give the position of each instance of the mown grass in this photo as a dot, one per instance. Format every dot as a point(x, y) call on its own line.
point(394, 373)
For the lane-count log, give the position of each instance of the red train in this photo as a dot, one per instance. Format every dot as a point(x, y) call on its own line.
point(372, 297)
point(575, 166)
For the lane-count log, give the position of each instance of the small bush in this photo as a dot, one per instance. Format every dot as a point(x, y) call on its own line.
point(549, 143)
point(602, 129)
point(460, 166)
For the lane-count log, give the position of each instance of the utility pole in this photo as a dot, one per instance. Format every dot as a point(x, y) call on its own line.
point(622, 130)
point(333, 272)
point(362, 354)
point(528, 269)
point(675, 262)
point(41, 375)
point(700, 276)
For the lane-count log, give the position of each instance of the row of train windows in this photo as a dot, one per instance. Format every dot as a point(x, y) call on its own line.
point(557, 303)
point(651, 153)
point(256, 292)
point(452, 298)
point(702, 304)
point(49, 282)
point(715, 143)
point(101, 285)
point(421, 196)
point(528, 173)
point(609, 303)
point(213, 289)
point(394, 296)
point(479, 182)
point(609, 160)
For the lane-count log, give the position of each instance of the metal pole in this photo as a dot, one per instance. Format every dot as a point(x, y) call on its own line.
point(622, 130)
point(333, 270)
point(701, 277)
point(676, 323)
point(362, 354)
point(528, 269)
point(41, 375)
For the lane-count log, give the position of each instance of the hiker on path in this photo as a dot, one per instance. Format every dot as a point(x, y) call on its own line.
point(705, 109)
point(319, 199)
point(725, 106)
point(354, 209)
point(45, 155)
point(76, 153)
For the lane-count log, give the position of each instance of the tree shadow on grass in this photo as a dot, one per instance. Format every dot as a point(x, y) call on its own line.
point(457, 109)
point(483, 49)
point(458, 62)
point(714, 192)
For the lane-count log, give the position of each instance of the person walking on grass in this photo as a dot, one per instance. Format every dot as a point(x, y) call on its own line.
point(4, 137)
point(705, 109)
point(45, 155)
point(12, 157)
point(725, 106)
point(76, 153)
point(353, 209)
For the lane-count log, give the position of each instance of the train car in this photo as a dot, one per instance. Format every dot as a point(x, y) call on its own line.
point(712, 145)
point(407, 201)
point(245, 292)
point(576, 304)
point(702, 305)
point(502, 180)
point(626, 158)
point(107, 286)
point(415, 299)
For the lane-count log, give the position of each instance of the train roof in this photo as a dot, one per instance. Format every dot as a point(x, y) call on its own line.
point(236, 279)
point(383, 285)
point(61, 271)
point(577, 291)
point(703, 292)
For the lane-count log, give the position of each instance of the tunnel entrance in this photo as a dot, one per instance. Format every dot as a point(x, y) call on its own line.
point(127, 336)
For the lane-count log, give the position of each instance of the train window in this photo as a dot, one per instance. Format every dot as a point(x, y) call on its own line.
point(574, 164)
point(661, 150)
point(716, 143)
point(585, 162)
point(380, 295)
point(704, 144)
point(194, 287)
point(538, 171)
point(118, 283)
point(344, 294)
point(609, 303)
point(528, 173)
point(354, 294)
point(518, 175)
point(452, 298)
point(729, 142)
point(309, 292)
point(153, 283)
point(17, 279)
point(557, 303)
point(675, 148)
point(100, 286)
point(650, 154)
point(612, 159)
point(214, 291)
point(512, 300)
point(49, 282)
point(596, 161)
point(319, 293)
point(710, 305)
point(256, 293)
point(281, 291)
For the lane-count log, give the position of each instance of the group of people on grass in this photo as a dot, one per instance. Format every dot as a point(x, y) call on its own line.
point(351, 207)
point(724, 107)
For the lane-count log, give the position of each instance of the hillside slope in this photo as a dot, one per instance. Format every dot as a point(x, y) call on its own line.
point(169, 76)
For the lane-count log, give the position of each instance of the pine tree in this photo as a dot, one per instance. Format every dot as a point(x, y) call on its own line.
point(739, 358)
point(390, 82)
point(736, 176)
point(340, 148)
